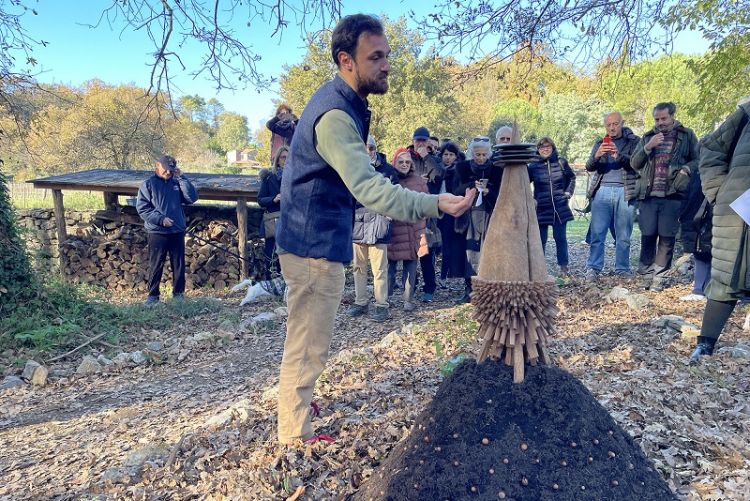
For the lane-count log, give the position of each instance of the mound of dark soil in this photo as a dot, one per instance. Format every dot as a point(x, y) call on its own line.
point(484, 437)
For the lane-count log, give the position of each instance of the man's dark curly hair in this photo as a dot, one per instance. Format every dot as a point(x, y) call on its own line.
point(347, 32)
point(670, 107)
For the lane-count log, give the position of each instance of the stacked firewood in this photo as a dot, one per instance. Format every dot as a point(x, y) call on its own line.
point(118, 258)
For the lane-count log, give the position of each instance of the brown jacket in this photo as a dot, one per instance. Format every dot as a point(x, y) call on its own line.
point(409, 240)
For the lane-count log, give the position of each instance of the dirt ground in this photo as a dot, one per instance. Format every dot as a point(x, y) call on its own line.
point(200, 423)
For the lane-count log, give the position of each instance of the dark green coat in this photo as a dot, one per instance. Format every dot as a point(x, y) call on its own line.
point(684, 154)
point(725, 175)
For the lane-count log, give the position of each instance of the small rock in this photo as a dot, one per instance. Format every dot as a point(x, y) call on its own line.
point(104, 360)
point(738, 351)
point(183, 355)
point(39, 378)
point(671, 321)
point(122, 359)
point(259, 321)
point(281, 311)
point(11, 382)
point(690, 331)
point(88, 365)
point(28, 370)
point(150, 453)
point(155, 346)
point(746, 324)
point(124, 476)
point(392, 339)
point(239, 410)
point(636, 302)
point(202, 337)
point(138, 357)
point(618, 294)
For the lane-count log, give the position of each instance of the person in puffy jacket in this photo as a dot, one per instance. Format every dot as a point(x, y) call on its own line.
point(725, 176)
point(370, 237)
point(408, 240)
point(269, 197)
point(453, 264)
point(554, 183)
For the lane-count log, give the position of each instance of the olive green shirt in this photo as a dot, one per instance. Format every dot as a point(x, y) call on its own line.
point(339, 143)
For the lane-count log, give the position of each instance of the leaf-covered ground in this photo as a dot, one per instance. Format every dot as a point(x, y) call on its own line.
point(199, 420)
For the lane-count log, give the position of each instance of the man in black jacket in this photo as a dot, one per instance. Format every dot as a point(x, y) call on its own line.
point(666, 157)
point(612, 192)
point(371, 235)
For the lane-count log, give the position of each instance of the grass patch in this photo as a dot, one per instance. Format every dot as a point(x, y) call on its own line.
point(74, 200)
point(61, 315)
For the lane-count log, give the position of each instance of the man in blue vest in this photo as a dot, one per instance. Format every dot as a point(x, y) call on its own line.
point(328, 168)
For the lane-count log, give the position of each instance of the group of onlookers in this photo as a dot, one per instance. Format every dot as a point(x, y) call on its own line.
point(654, 179)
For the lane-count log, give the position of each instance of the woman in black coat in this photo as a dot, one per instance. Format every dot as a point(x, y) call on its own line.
point(554, 183)
point(453, 243)
point(477, 173)
point(269, 197)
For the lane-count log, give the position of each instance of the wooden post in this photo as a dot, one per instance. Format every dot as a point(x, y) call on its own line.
point(242, 236)
point(62, 233)
point(110, 201)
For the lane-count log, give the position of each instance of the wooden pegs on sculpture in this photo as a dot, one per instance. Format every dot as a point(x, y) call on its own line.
point(514, 298)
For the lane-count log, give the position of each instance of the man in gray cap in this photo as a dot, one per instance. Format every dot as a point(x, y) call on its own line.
point(159, 204)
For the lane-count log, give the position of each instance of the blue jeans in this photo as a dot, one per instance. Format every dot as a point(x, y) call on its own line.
point(609, 206)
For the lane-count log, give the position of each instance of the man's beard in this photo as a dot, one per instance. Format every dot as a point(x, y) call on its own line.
point(371, 86)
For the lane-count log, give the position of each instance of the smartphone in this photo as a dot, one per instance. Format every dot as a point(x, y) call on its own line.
point(607, 140)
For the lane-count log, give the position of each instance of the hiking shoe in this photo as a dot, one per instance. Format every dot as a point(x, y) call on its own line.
point(427, 297)
point(356, 310)
point(703, 349)
point(409, 306)
point(151, 301)
point(564, 271)
point(591, 276)
point(693, 297)
point(466, 298)
point(379, 314)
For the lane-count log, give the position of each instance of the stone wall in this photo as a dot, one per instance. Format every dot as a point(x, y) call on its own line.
point(114, 254)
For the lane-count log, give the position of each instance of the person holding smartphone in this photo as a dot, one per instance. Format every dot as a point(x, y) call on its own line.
point(612, 193)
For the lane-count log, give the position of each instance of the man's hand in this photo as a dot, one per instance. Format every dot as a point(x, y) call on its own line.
point(455, 205)
point(167, 222)
point(277, 198)
point(606, 148)
point(655, 141)
point(422, 151)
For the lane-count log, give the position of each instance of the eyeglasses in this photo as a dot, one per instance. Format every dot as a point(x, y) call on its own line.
point(371, 148)
point(544, 146)
point(481, 139)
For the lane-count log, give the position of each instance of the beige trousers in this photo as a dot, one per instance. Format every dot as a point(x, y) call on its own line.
point(315, 287)
point(377, 256)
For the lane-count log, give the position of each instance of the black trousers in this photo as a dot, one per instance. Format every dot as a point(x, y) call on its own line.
point(659, 222)
point(427, 264)
point(159, 245)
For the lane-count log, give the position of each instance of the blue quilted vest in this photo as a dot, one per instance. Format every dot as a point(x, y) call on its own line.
point(317, 209)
